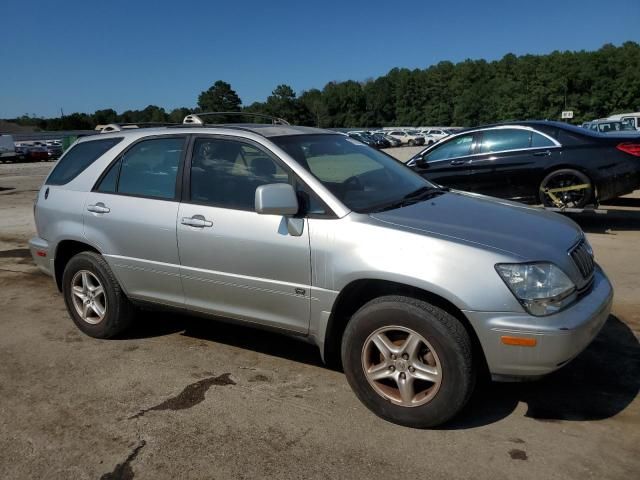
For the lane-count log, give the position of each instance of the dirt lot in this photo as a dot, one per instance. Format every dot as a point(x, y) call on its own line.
point(191, 398)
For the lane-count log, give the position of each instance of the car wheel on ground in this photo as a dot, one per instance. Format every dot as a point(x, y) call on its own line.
point(408, 361)
point(93, 297)
point(566, 188)
point(411, 143)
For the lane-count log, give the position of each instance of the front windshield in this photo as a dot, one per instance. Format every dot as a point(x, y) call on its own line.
point(362, 178)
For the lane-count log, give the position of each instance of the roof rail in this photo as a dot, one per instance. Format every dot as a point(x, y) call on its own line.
point(118, 127)
point(196, 118)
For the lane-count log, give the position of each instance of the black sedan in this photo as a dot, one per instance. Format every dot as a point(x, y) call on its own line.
point(536, 162)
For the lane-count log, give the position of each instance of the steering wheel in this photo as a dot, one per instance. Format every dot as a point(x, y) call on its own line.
point(353, 183)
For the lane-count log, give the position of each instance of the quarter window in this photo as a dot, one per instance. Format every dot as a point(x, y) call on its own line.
point(538, 141)
point(76, 160)
point(226, 173)
point(148, 169)
point(456, 147)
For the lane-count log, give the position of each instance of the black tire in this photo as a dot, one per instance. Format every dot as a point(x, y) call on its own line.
point(448, 339)
point(118, 310)
point(566, 177)
point(411, 143)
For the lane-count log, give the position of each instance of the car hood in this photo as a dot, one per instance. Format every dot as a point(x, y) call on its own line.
point(526, 232)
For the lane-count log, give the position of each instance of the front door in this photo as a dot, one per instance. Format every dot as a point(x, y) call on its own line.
point(448, 164)
point(234, 262)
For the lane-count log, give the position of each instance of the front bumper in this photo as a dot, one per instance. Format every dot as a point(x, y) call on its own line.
point(41, 254)
point(559, 338)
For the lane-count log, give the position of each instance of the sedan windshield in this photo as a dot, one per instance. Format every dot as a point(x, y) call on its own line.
point(362, 178)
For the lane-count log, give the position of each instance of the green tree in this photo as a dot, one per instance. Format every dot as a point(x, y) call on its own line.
point(220, 97)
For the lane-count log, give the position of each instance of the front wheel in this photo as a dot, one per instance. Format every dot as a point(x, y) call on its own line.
point(408, 361)
point(566, 188)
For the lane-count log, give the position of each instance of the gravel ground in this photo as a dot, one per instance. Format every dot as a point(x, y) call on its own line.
point(180, 397)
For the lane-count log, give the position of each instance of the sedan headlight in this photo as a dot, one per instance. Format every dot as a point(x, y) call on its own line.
point(541, 288)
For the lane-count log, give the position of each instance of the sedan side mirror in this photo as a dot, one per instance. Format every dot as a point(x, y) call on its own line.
point(418, 161)
point(276, 199)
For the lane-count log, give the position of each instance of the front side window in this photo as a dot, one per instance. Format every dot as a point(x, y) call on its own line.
point(504, 139)
point(226, 173)
point(456, 147)
point(148, 169)
point(361, 177)
point(78, 158)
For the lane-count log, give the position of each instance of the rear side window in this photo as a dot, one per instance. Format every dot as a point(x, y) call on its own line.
point(504, 139)
point(76, 160)
point(148, 169)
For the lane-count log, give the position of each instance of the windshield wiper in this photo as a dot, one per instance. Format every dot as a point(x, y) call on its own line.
point(422, 193)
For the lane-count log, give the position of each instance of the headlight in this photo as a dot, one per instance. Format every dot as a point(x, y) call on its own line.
point(541, 288)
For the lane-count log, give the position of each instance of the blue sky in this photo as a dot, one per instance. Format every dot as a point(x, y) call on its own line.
point(87, 55)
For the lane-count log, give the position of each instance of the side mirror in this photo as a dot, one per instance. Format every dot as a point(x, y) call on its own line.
point(276, 199)
point(419, 161)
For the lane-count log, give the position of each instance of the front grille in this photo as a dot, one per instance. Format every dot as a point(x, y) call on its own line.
point(583, 258)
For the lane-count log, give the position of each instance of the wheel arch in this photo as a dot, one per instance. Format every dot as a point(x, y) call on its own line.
point(65, 251)
point(359, 292)
point(595, 181)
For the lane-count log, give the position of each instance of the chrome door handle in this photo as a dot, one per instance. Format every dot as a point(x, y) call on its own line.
point(458, 162)
point(546, 153)
point(98, 208)
point(197, 221)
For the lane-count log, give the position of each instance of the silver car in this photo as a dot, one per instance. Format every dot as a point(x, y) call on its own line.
point(412, 288)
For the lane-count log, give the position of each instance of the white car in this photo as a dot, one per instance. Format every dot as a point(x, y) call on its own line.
point(406, 138)
point(632, 119)
point(436, 133)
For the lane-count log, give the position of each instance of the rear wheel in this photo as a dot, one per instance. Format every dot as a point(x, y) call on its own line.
point(94, 299)
point(566, 188)
point(408, 361)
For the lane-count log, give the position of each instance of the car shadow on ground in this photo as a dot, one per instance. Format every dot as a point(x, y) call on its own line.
point(613, 219)
point(154, 324)
point(600, 383)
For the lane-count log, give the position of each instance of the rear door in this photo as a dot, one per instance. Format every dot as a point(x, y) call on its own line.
point(510, 161)
point(235, 262)
point(131, 216)
point(448, 163)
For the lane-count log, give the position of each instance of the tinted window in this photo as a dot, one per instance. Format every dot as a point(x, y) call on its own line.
point(505, 139)
point(538, 140)
point(456, 147)
point(226, 173)
point(109, 182)
point(363, 178)
point(78, 158)
point(150, 168)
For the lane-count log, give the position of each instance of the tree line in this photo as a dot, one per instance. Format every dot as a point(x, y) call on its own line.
point(593, 84)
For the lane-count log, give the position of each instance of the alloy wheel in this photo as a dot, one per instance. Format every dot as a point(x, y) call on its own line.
point(401, 366)
point(89, 298)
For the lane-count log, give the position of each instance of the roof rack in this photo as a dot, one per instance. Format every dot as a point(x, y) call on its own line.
point(196, 118)
point(118, 127)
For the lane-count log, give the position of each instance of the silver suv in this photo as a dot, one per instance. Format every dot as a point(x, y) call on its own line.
point(412, 288)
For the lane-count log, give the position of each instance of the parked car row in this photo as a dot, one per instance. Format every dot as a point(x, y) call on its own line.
point(400, 137)
point(615, 123)
point(36, 151)
point(609, 126)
